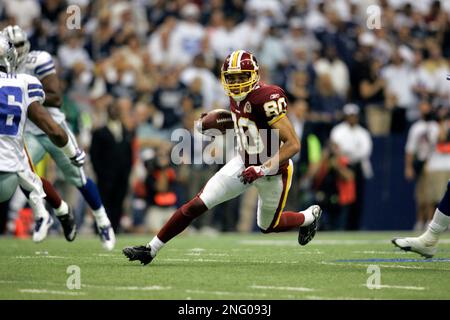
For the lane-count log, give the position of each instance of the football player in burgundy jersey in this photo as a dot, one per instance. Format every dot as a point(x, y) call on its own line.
point(259, 116)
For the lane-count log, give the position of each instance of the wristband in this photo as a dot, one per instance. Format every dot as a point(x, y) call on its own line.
point(70, 150)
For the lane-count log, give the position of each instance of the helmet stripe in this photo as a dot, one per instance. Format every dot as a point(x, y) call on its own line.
point(241, 52)
point(235, 58)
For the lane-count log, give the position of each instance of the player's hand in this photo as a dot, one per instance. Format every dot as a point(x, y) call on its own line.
point(79, 158)
point(251, 174)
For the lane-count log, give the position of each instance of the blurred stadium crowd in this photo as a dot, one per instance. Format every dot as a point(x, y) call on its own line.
point(142, 68)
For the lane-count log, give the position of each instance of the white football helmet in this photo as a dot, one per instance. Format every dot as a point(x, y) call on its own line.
point(19, 39)
point(8, 54)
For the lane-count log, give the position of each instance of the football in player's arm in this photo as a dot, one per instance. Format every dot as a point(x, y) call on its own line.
point(256, 109)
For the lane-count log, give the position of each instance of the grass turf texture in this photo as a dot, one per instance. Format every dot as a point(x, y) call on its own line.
point(229, 266)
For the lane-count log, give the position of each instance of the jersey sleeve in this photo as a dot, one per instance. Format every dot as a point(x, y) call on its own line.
point(34, 90)
point(275, 105)
point(43, 65)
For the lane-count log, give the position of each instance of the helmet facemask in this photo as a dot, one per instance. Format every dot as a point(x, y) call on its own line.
point(239, 83)
point(8, 55)
point(19, 39)
point(22, 48)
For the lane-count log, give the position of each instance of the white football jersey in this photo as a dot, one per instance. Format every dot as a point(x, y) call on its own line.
point(40, 64)
point(17, 92)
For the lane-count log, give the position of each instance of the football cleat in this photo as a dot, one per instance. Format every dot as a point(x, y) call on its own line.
point(107, 237)
point(41, 227)
point(307, 233)
point(141, 253)
point(68, 224)
point(416, 245)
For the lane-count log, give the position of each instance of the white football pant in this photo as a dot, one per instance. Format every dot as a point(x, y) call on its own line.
point(272, 191)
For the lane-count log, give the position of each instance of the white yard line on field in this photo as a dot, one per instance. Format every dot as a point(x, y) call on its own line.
point(317, 241)
point(365, 265)
point(322, 242)
point(127, 288)
point(381, 252)
point(57, 292)
point(198, 260)
point(207, 254)
point(39, 256)
point(235, 293)
point(282, 288)
point(386, 286)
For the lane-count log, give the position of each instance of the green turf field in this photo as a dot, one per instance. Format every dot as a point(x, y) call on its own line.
point(229, 266)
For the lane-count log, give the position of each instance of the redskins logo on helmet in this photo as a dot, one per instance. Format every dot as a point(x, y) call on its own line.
point(240, 74)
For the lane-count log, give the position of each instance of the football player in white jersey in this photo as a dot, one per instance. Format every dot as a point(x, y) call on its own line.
point(41, 65)
point(426, 243)
point(21, 95)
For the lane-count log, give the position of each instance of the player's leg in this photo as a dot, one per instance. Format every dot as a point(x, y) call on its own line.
point(8, 185)
point(426, 244)
point(76, 176)
point(31, 186)
point(223, 186)
point(273, 192)
point(61, 208)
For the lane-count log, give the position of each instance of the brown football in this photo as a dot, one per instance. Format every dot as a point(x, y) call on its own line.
point(215, 122)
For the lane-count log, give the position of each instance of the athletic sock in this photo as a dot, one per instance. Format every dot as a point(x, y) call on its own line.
point(438, 225)
point(101, 217)
point(62, 209)
point(440, 221)
point(155, 245)
point(309, 217)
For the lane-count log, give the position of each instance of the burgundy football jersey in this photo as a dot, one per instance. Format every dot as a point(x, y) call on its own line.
point(253, 118)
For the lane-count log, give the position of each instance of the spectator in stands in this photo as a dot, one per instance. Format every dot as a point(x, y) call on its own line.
point(159, 188)
point(305, 162)
point(371, 88)
point(188, 35)
point(354, 142)
point(335, 68)
point(111, 154)
point(334, 187)
point(400, 81)
point(167, 98)
point(422, 139)
point(326, 105)
point(438, 165)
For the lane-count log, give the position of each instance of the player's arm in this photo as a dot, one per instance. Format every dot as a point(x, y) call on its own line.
point(45, 122)
point(53, 94)
point(40, 116)
point(290, 146)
